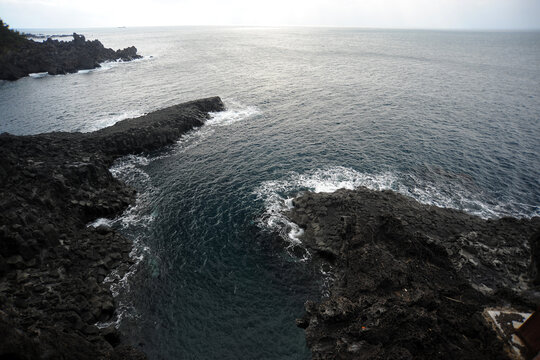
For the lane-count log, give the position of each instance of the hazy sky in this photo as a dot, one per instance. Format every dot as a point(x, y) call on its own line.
point(456, 14)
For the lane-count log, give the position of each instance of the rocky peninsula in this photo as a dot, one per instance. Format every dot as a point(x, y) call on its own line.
point(413, 280)
point(20, 56)
point(52, 265)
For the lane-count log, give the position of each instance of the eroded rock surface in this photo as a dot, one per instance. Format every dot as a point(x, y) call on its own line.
point(412, 279)
point(52, 265)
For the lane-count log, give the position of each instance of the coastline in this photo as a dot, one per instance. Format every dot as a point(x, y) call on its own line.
point(52, 265)
point(386, 121)
point(413, 280)
point(23, 57)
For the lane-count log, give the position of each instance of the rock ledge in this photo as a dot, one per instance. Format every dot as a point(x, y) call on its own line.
point(52, 265)
point(413, 280)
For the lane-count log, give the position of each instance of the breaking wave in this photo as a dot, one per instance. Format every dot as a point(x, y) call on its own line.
point(38, 75)
point(277, 195)
point(111, 119)
point(230, 116)
point(135, 223)
point(108, 65)
point(234, 113)
point(137, 220)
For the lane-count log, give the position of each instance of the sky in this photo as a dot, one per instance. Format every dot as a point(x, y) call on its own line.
point(417, 14)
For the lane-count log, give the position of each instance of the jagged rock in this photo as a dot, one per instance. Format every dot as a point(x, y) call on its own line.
point(52, 265)
point(412, 280)
point(57, 57)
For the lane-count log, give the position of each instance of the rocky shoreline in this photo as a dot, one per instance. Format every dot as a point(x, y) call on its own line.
point(412, 280)
point(52, 265)
point(22, 56)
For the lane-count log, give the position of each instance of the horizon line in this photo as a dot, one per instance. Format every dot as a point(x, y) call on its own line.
point(290, 26)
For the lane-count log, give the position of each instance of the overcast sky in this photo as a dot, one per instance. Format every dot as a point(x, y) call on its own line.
point(446, 14)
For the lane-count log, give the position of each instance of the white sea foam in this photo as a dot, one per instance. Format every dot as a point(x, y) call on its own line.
point(111, 119)
point(235, 113)
point(328, 278)
point(129, 161)
point(276, 196)
point(144, 58)
point(104, 66)
point(43, 38)
point(130, 170)
point(108, 65)
point(137, 219)
point(232, 115)
point(38, 75)
point(101, 222)
point(455, 196)
point(295, 233)
point(120, 284)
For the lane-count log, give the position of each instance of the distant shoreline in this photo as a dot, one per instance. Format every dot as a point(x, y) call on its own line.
point(20, 56)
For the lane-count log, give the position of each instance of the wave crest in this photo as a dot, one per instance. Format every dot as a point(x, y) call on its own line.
point(110, 119)
point(231, 116)
point(276, 195)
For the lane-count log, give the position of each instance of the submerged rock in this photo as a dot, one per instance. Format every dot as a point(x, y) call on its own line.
point(412, 279)
point(52, 265)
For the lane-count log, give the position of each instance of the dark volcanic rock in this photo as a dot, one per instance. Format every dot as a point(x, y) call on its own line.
point(57, 57)
point(412, 279)
point(52, 265)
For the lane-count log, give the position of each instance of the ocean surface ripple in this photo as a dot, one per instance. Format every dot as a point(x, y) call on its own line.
point(449, 118)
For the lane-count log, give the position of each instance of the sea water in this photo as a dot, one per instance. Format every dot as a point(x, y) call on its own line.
point(449, 118)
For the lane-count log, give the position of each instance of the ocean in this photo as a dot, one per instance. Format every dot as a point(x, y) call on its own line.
point(450, 118)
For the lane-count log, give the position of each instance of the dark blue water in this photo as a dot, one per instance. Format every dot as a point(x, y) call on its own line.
point(450, 118)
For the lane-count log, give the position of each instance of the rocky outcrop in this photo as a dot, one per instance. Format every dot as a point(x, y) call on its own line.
point(57, 57)
point(412, 280)
point(52, 265)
